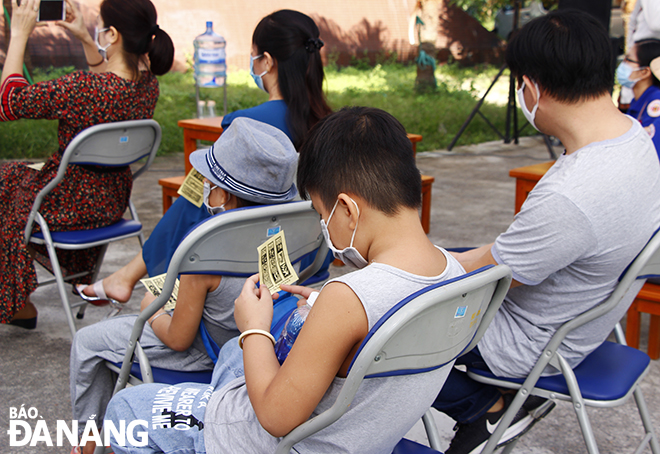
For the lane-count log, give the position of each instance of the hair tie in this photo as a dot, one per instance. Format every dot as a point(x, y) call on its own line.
point(313, 44)
point(146, 41)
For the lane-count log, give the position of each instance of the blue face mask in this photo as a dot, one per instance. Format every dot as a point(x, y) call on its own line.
point(623, 73)
point(257, 77)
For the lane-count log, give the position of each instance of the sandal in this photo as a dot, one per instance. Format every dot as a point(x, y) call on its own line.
point(101, 299)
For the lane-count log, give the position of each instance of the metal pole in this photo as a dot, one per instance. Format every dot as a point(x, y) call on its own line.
point(475, 110)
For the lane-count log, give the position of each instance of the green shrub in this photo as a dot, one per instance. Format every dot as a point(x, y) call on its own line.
point(437, 116)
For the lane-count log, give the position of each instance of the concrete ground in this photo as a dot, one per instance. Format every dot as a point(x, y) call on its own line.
point(472, 203)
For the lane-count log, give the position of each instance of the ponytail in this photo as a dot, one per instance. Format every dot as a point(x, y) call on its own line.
point(292, 38)
point(161, 52)
point(136, 21)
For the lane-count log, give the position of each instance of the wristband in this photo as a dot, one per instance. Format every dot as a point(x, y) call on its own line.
point(151, 323)
point(246, 333)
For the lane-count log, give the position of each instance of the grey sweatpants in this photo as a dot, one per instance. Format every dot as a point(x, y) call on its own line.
point(92, 382)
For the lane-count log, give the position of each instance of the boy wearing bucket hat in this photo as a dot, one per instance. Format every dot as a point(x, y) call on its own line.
point(252, 163)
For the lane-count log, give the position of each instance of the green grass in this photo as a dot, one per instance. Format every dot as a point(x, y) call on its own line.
point(437, 115)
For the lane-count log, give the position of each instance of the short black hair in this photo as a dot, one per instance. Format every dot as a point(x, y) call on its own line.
point(647, 51)
point(567, 52)
point(362, 151)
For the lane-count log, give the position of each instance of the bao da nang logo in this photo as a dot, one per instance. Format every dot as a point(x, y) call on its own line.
point(27, 428)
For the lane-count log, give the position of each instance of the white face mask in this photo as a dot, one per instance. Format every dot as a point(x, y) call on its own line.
point(207, 192)
point(349, 255)
point(521, 99)
point(102, 50)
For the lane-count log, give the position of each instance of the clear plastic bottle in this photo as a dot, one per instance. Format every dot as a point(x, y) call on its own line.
point(211, 108)
point(210, 65)
point(292, 328)
point(201, 109)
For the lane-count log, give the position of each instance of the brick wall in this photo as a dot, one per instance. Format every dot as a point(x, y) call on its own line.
point(347, 27)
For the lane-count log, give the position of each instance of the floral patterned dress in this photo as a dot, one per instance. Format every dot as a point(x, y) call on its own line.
point(88, 196)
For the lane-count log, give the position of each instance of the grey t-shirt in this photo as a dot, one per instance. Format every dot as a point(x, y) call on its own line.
point(578, 230)
point(383, 409)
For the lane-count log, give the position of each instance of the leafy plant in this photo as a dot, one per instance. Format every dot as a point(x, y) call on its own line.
point(390, 86)
point(483, 10)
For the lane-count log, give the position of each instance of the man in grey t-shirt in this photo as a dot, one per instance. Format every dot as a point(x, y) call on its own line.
point(580, 227)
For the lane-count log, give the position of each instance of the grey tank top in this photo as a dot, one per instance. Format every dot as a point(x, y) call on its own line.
point(218, 313)
point(384, 409)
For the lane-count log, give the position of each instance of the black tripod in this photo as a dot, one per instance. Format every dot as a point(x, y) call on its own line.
point(511, 130)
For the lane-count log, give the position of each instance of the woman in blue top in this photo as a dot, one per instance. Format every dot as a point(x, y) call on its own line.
point(635, 72)
point(285, 62)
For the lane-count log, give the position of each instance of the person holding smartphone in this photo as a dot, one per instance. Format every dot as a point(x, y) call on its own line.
point(124, 56)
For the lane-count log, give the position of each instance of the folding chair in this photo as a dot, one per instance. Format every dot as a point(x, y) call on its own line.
point(418, 334)
point(108, 144)
point(225, 245)
point(605, 378)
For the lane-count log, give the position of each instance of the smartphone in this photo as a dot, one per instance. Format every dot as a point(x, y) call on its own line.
point(51, 10)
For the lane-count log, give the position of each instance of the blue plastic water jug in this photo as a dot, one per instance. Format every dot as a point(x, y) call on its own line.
point(210, 64)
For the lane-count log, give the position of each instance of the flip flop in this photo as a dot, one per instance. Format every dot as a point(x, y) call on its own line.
point(101, 299)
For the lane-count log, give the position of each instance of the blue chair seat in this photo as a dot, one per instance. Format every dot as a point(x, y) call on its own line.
point(406, 446)
point(172, 377)
point(78, 237)
point(608, 373)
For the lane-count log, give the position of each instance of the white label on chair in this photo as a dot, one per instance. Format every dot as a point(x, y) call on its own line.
point(460, 312)
point(123, 139)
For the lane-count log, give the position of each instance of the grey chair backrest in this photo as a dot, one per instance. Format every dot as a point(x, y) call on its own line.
point(646, 264)
point(423, 332)
point(226, 244)
point(109, 144)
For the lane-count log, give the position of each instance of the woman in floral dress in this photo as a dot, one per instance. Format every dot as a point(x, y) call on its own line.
point(120, 85)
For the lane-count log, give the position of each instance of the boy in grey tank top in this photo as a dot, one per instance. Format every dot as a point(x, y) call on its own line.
point(358, 168)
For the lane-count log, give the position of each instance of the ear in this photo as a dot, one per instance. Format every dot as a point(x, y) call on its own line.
point(223, 195)
point(349, 209)
point(646, 72)
point(113, 35)
point(219, 196)
point(269, 61)
point(531, 88)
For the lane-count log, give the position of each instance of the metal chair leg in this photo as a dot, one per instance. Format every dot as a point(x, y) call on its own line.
point(431, 430)
point(646, 420)
point(81, 312)
point(57, 272)
point(579, 406)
